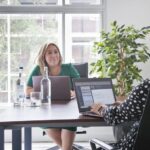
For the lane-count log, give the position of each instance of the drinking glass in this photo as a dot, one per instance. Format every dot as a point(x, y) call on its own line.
point(35, 98)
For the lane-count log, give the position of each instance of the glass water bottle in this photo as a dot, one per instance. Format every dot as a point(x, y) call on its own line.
point(20, 87)
point(46, 87)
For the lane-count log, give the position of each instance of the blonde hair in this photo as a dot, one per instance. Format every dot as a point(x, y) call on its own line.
point(41, 56)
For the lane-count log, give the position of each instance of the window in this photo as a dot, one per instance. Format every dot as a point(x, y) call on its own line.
point(26, 24)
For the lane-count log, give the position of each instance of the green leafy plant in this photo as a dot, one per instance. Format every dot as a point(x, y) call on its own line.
point(120, 51)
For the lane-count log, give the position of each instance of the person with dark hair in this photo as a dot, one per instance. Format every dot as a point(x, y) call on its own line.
point(131, 109)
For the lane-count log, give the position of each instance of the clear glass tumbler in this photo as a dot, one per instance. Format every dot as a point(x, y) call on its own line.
point(35, 98)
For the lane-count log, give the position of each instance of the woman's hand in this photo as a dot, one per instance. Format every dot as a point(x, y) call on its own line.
point(72, 93)
point(28, 91)
point(97, 108)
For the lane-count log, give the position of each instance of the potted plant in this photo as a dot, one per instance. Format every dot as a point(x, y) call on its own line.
point(120, 51)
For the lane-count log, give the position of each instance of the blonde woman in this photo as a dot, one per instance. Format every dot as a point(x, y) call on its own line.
point(49, 55)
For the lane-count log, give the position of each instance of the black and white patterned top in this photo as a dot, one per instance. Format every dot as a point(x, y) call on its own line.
point(131, 109)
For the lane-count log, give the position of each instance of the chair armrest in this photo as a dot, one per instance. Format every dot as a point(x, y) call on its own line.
point(95, 142)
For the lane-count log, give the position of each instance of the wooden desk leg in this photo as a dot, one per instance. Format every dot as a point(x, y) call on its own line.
point(16, 139)
point(27, 138)
point(1, 138)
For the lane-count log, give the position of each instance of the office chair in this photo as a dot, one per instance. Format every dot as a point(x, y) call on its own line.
point(143, 136)
point(82, 68)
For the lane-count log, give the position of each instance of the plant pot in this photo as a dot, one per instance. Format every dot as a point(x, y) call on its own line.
point(121, 98)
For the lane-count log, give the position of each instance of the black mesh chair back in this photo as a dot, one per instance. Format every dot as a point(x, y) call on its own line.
point(82, 68)
point(143, 137)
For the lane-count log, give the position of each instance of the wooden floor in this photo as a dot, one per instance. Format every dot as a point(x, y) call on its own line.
point(46, 146)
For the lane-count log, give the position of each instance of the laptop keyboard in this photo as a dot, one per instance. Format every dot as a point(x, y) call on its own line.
point(89, 113)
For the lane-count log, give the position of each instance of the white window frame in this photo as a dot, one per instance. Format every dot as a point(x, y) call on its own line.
point(57, 9)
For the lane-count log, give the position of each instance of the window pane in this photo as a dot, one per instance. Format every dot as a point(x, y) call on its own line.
point(3, 25)
point(85, 23)
point(28, 33)
point(31, 2)
point(3, 2)
point(3, 29)
point(83, 2)
point(4, 63)
point(80, 35)
point(24, 50)
point(25, 35)
point(3, 44)
point(3, 60)
point(80, 53)
point(34, 24)
point(3, 79)
point(3, 88)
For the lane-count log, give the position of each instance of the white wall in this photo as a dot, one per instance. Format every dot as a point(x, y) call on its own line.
point(130, 12)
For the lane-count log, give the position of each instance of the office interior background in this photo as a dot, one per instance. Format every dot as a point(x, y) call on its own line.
point(74, 25)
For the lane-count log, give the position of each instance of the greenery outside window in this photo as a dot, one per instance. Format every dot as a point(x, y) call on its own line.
point(26, 24)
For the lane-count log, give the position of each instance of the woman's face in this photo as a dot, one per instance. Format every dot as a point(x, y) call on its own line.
point(52, 56)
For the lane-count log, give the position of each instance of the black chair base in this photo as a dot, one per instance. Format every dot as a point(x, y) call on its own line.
point(79, 147)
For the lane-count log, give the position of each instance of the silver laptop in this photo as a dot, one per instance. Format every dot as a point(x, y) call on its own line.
point(60, 86)
point(93, 90)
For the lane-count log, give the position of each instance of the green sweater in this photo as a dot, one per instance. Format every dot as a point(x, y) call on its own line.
point(66, 70)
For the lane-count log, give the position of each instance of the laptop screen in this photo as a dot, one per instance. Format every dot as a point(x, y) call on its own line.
point(93, 90)
point(60, 86)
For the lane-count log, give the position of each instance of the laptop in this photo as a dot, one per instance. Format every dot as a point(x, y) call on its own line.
point(60, 86)
point(93, 90)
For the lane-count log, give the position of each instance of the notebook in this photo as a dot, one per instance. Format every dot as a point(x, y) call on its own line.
point(60, 86)
point(93, 90)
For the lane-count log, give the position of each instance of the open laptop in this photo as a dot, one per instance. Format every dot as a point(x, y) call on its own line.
point(93, 90)
point(60, 86)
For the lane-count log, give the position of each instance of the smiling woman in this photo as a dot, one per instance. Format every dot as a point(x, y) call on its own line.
point(50, 56)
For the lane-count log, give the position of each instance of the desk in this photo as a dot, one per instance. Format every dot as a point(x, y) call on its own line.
point(60, 113)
